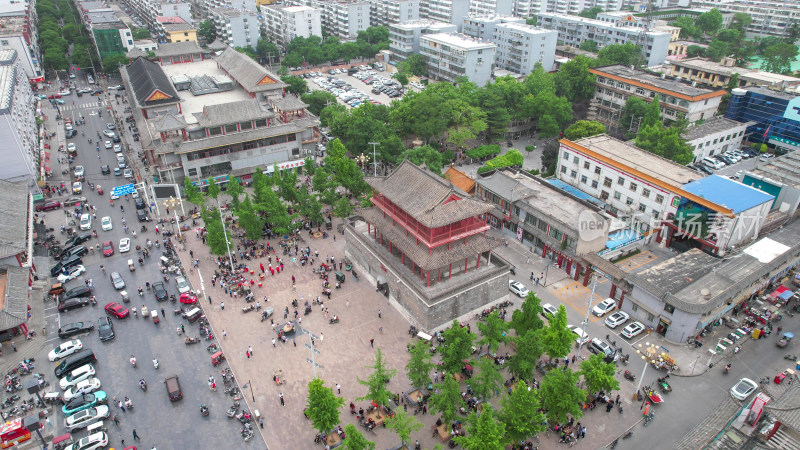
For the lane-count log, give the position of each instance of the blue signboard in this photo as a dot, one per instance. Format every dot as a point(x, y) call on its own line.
point(123, 190)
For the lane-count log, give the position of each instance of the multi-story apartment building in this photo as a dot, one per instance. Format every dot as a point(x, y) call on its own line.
point(491, 7)
point(248, 5)
point(714, 137)
point(236, 27)
point(110, 35)
point(342, 18)
point(531, 8)
point(18, 33)
point(175, 29)
point(453, 55)
point(283, 23)
point(388, 12)
point(18, 129)
point(231, 119)
point(574, 30)
point(150, 10)
point(404, 37)
point(678, 100)
point(628, 19)
point(519, 46)
point(770, 17)
point(719, 74)
point(447, 11)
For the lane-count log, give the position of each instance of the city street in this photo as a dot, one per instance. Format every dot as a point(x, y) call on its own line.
point(158, 421)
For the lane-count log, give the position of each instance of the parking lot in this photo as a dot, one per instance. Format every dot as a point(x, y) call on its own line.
point(732, 164)
point(368, 84)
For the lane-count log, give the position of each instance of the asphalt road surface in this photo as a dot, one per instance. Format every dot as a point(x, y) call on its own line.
point(159, 422)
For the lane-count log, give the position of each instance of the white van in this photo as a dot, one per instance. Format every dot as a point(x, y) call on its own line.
point(713, 163)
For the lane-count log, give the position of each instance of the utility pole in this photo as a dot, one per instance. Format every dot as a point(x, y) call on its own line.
point(314, 351)
point(269, 59)
point(374, 161)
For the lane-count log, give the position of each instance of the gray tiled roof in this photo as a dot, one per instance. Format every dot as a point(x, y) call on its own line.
point(146, 77)
point(177, 49)
point(786, 408)
point(440, 256)
point(289, 103)
point(13, 217)
point(233, 112)
point(169, 122)
point(422, 195)
point(217, 45)
point(247, 72)
point(711, 126)
point(708, 429)
point(135, 53)
point(227, 139)
point(15, 307)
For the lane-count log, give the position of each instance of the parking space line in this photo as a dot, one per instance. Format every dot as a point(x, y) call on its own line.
point(574, 295)
point(50, 315)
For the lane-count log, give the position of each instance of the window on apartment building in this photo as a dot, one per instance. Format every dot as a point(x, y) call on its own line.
point(628, 201)
point(594, 184)
point(603, 195)
point(639, 91)
point(659, 198)
point(715, 141)
point(669, 308)
point(566, 156)
point(192, 172)
point(621, 181)
point(706, 102)
point(563, 169)
point(646, 193)
point(584, 179)
point(607, 182)
point(576, 160)
point(634, 186)
point(597, 170)
point(573, 174)
point(642, 208)
point(617, 196)
point(542, 225)
point(655, 214)
point(586, 165)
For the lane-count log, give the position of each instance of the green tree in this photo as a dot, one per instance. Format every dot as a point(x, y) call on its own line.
point(111, 64)
point(599, 375)
point(297, 85)
point(520, 414)
point(740, 22)
point(417, 65)
point(267, 50)
point(557, 338)
point(207, 30)
point(287, 185)
point(376, 382)
point(212, 191)
point(355, 439)
point(548, 127)
point(717, 50)
point(574, 80)
point(487, 381)
point(401, 78)
point(54, 59)
point(497, 115)
point(709, 22)
point(466, 124)
point(446, 399)
point(634, 109)
point(584, 128)
point(322, 406)
point(591, 13)
point(494, 331)
point(531, 20)
point(540, 81)
point(627, 54)
point(235, 190)
point(403, 425)
point(652, 115)
point(589, 46)
point(560, 395)
point(191, 193)
point(70, 32)
point(318, 100)
point(484, 432)
point(550, 157)
point(665, 142)
point(456, 348)
point(778, 58)
point(249, 219)
point(427, 155)
point(141, 33)
point(216, 236)
point(693, 51)
point(529, 349)
point(792, 33)
point(419, 365)
point(687, 26)
point(527, 316)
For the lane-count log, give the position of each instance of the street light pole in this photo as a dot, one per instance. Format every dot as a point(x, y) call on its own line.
point(374, 161)
point(644, 358)
point(588, 308)
point(225, 235)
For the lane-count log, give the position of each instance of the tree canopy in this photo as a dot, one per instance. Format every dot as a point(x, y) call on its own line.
point(322, 406)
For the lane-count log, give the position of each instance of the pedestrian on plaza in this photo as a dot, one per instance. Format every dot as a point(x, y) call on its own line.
point(250, 349)
point(121, 406)
point(281, 397)
point(222, 305)
point(116, 420)
point(273, 342)
point(379, 314)
point(338, 388)
point(372, 342)
point(293, 341)
point(224, 334)
point(135, 436)
point(47, 421)
point(248, 354)
point(435, 376)
point(162, 313)
point(573, 359)
point(122, 440)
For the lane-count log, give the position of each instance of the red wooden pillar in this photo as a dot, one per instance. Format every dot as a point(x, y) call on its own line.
point(404, 257)
point(466, 264)
point(613, 290)
point(586, 276)
point(450, 275)
point(577, 271)
point(369, 229)
point(621, 298)
point(478, 265)
point(428, 283)
point(544, 251)
point(381, 238)
point(569, 265)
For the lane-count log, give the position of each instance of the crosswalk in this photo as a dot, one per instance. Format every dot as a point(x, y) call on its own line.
point(80, 106)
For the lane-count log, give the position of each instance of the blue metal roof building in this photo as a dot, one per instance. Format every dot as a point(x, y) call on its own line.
point(728, 193)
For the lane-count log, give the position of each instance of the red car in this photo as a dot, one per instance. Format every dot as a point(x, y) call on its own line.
point(108, 248)
point(117, 310)
point(187, 297)
point(48, 206)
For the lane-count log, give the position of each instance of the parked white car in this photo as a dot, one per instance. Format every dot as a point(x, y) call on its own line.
point(76, 376)
point(86, 386)
point(64, 350)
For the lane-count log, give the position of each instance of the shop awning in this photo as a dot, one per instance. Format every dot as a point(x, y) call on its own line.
point(779, 291)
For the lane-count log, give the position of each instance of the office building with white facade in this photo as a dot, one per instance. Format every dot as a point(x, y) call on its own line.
point(236, 27)
point(404, 37)
point(448, 11)
point(387, 12)
point(453, 55)
point(574, 30)
point(283, 23)
point(18, 130)
point(519, 46)
point(678, 100)
point(715, 136)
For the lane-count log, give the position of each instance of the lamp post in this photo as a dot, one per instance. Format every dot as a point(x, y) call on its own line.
point(588, 308)
point(374, 160)
point(225, 235)
point(645, 353)
point(361, 160)
point(170, 203)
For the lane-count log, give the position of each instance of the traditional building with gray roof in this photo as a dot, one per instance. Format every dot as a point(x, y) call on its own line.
point(426, 245)
point(251, 76)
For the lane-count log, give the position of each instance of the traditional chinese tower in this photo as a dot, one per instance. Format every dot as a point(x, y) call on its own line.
point(427, 245)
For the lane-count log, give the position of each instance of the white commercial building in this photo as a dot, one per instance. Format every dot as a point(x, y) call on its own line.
point(519, 46)
point(388, 12)
point(236, 27)
point(448, 11)
point(18, 130)
point(453, 55)
point(715, 136)
point(283, 23)
point(404, 37)
point(574, 30)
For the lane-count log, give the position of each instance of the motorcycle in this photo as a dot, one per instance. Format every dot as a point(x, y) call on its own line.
point(212, 348)
point(155, 363)
point(334, 319)
point(204, 410)
point(231, 411)
point(133, 361)
point(629, 376)
point(790, 357)
point(191, 340)
point(143, 384)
